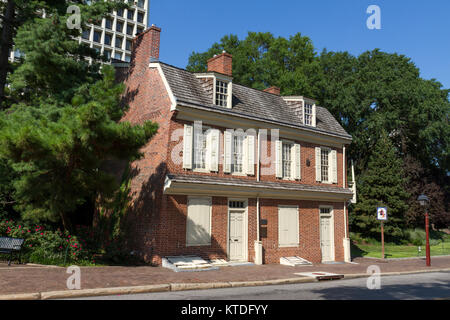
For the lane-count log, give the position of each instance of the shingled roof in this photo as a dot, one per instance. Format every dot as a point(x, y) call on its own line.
point(247, 102)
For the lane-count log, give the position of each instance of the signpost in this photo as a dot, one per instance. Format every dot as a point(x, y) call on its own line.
point(382, 216)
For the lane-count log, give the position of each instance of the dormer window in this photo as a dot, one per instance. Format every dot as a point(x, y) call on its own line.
point(308, 114)
point(221, 93)
point(304, 108)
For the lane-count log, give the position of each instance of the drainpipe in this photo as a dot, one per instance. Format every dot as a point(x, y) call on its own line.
point(344, 172)
point(347, 255)
point(258, 243)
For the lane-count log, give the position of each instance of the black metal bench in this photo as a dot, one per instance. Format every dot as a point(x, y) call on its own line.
point(11, 246)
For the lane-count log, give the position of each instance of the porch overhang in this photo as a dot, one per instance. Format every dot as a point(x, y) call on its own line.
point(231, 187)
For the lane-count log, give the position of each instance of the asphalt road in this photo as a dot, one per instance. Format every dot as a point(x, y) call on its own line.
point(404, 287)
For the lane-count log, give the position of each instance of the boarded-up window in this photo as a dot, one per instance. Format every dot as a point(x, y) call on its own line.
point(198, 225)
point(288, 226)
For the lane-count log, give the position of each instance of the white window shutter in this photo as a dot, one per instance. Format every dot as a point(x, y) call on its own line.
point(214, 136)
point(279, 159)
point(296, 156)
point(288, 227)
point(227, 150)
point(314, 115)
point(318, 164)
point(293, 237)
point(198, 225)
point(250, 155)
point(245, 154)
point(333, 166)
point(187, 146)
point(208, 150)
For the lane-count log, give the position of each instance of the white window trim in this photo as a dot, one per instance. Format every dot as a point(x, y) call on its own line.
point(292, 144)
point(314, 112)
point(243, 172)
point(216, 76)
point(330, 165)
point(210, 222)
point(298, 225)
point(200, 170)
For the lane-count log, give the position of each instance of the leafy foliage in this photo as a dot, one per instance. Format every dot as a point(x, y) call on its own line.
point(369, 93)
point(381, 185)
point(62, 120)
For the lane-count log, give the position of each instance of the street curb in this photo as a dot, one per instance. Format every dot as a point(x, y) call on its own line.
point(366, 275)
point(68, 294)
point(23, 296)
point(104, 292)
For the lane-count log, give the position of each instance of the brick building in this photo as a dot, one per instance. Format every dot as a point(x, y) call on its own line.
point(233, 173)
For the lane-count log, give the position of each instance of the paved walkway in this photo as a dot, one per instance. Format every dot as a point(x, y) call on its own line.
point(29, 279)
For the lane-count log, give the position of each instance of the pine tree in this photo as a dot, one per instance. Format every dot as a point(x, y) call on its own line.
point(382, 184)
point(65, 123)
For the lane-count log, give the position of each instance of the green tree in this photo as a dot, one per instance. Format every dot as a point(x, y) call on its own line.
point(64, 125)
point(261, 61)
point(16, 13)
point(58, 152)
point(382, 184)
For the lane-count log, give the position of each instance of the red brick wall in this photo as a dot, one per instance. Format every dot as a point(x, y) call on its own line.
point(172, 239)
point(158, 221)
point(307, 152)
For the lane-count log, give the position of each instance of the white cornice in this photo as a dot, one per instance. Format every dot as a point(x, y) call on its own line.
point(214, 117)
point(202, 189)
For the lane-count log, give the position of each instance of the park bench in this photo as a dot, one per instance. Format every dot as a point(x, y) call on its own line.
point(11, 246)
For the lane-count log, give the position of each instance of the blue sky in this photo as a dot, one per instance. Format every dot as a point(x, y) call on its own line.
point(417, 29)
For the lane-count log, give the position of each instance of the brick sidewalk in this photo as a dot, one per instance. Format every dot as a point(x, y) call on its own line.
point(29, 279)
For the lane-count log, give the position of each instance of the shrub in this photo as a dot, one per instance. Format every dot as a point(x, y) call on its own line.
point(46, 246)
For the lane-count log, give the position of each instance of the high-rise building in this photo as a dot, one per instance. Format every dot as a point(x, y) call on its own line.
point(114, 36)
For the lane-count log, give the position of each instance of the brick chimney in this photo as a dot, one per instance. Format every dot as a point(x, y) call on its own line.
point(274, 90)
point(221, 63)
point(146, 47)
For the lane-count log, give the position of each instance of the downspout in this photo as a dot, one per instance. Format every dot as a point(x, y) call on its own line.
point(258, 178)
point(344, 176)
point(346, 241)
point(258, 244)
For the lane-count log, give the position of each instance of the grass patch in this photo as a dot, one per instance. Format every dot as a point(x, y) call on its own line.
point(439, 246)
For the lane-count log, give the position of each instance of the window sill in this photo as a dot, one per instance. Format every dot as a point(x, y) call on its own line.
point(198, 245)
point(289, 246)
point(238, 174)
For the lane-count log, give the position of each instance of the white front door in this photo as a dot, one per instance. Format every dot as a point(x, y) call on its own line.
point(326, 237)
point(236, 235)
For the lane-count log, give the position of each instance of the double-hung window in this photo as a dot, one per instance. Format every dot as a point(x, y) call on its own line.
point(200, 149)
point(287, 160)
point(308, 114)
point(238, 154)
point(221, 93)
point(326, 165)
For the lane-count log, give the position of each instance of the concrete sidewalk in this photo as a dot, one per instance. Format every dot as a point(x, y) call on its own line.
point(42, 282)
